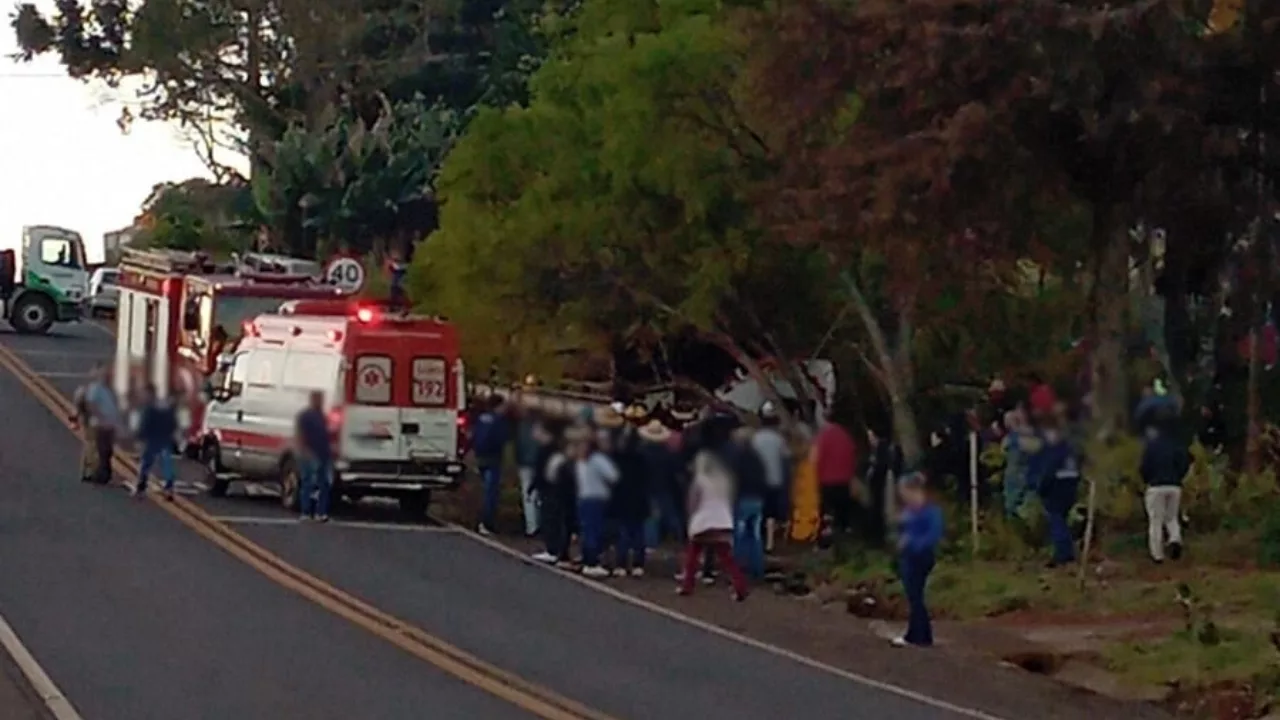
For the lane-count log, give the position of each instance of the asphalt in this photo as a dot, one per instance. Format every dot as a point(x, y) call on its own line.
point(137, 617)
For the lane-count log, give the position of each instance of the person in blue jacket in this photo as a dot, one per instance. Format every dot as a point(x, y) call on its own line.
point(919, 532)
point(490, 442)
point(1053, 469)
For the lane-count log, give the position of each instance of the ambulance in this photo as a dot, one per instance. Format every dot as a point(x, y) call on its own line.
point(394, 390)
point(178, 311)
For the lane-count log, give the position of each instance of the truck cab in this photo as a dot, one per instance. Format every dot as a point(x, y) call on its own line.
point(45, 281)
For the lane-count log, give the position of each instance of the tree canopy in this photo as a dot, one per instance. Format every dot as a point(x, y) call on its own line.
point(927, 193)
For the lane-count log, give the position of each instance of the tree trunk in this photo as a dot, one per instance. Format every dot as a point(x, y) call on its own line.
point(893, 369)
point(1253, 407)
point(1110, 326)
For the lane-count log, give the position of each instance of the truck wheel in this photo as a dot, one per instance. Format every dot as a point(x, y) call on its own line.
point(33, 314)
point(415, 506)
point(289, 484)
point(212, 461)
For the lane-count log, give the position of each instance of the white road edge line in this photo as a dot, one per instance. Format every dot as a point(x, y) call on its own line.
point(57, 703)
point(919, 697)
point(355, 524)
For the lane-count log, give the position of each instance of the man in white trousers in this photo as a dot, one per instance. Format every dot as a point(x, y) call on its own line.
point(1165, 462)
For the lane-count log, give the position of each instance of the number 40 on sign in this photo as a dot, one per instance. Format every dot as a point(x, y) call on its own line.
point(345, 273)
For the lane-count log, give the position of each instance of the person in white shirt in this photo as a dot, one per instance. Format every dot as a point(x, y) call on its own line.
point(775, 454)
point(711, 521)
point(596, 476)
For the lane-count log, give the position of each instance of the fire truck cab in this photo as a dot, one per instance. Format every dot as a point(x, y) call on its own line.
point(394, 393)
point(178, 311)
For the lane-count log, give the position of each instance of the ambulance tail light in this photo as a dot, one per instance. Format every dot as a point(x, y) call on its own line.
point(464, 434)
point(366, 315)
point(335, 420)
point(335, 336)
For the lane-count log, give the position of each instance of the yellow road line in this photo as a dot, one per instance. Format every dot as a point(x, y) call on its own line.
point(537, 700)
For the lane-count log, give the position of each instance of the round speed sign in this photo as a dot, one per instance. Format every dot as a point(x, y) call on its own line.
point(345, 273)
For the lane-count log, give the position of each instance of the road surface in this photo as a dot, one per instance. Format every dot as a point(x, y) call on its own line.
point(136, 616)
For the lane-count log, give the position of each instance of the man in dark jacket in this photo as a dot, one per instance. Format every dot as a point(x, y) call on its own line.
point(883, 464)
point(490, 442)
point(1164, 464)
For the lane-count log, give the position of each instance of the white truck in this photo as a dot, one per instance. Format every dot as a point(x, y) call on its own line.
point(45, 280)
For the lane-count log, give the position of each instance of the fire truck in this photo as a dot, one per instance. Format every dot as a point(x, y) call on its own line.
point(178, 311)
point(394, 391)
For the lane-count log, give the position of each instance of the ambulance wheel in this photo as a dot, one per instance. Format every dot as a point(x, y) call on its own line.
point(415, 506)
point(211, 458)
point(33, 314)
point(289, 483)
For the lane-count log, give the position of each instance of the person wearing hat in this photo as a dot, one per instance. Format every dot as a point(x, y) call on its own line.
point(664, 484)
point(609, 417)
point(919, 532)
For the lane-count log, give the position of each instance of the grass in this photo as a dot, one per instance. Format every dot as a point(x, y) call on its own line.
point(1221, 636)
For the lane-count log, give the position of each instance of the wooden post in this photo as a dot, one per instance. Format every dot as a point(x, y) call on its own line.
point(973, 492)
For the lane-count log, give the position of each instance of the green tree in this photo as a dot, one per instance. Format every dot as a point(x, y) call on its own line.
point(620, 198)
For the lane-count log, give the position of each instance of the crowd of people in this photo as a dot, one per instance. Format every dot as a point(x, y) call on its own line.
point(620, 480)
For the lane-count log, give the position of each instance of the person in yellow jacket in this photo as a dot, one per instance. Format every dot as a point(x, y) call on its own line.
point(806, 514)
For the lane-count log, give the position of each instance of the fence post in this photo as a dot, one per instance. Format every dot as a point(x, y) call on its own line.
point(973, 492)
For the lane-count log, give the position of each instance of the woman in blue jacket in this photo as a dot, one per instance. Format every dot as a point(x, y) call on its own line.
point(919, 532)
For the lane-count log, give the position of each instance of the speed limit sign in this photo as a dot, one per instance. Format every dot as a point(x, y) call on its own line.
point(346, 274)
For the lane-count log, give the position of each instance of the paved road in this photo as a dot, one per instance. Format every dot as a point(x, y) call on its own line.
point(137, 617)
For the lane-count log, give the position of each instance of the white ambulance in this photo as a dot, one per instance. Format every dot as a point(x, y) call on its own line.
point(394, 392)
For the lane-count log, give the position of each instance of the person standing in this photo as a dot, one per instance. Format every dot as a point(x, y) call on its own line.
point(527, 451)
point(1015, 463)
point(315, 459)
point(1165, 463)
point(629, 502)
point(711, 521)
point(156, 428)
point(80, 421)
point(748, 526)
point(1055, 469)
point(549, 473)
point(920, 531)
point(771, 447)
point(884, 463)
point(664, 484)
point(103, 410)
point(490, 442)
point(596, 476)
point(836, 460)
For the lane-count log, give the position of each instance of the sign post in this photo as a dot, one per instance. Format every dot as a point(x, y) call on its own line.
point(345, 273)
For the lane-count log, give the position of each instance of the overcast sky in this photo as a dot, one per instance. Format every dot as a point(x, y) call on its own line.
point(63, 160)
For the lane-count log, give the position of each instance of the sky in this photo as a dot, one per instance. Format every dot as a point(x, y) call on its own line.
point(64, 161)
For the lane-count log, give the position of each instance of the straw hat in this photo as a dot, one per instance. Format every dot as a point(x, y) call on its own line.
point(607, 417)
point(635, 413)
point(682, 415)
point(655, 431)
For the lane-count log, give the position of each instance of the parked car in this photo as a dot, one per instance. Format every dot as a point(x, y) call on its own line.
point(104, 294)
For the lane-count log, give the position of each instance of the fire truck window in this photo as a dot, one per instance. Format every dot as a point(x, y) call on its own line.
point(231, 311)
point(428, 381)
point(373, 379)
point(311, 371)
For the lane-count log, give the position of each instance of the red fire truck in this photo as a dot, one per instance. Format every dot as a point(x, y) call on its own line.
point(178, 311)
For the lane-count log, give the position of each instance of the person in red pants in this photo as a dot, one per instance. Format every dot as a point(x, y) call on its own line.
point(711, 520)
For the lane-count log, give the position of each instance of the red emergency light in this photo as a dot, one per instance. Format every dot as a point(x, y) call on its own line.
point(365, 314)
